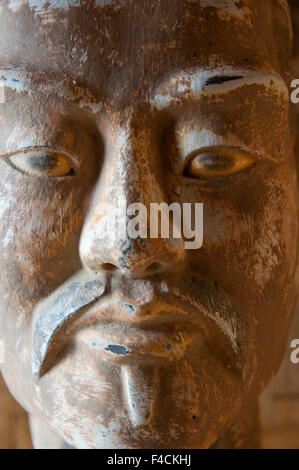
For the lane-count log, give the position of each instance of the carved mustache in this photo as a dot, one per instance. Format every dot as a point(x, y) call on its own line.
point(221, 324)
point(53, 313)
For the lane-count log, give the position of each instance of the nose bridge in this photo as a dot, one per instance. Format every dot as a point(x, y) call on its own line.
point(129, 170)
point(128, 177)
point(135, 159)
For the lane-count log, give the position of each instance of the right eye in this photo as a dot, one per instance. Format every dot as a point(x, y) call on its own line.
point(43, 161)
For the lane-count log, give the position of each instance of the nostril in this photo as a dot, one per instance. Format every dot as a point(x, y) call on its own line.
point(154, 267)
point(109, 267)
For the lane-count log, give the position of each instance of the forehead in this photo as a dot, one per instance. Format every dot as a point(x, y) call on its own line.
point(132, 42)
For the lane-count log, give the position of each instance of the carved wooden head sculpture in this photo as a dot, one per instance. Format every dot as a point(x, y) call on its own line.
point(140, 342)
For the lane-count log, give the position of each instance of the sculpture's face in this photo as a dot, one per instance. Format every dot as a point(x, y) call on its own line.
point(124, 94)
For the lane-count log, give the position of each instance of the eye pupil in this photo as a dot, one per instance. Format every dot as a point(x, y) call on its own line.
point(215, 162)
point(44, 161)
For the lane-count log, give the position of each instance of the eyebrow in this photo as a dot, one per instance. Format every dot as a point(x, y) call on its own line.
point(193, 84)
point(75, 89)
point(198, 83)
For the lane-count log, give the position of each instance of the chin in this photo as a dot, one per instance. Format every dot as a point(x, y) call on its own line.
point(96, 406)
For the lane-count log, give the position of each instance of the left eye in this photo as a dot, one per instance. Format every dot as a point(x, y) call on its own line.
point(216, 161)
point(42, 162)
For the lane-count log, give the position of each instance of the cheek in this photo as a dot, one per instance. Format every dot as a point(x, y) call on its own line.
point(39, 229)
point(251, 247)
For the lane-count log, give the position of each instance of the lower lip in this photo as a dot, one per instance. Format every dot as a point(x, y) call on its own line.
point(126, 344)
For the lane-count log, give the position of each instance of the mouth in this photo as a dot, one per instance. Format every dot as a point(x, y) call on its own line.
point(123, 342)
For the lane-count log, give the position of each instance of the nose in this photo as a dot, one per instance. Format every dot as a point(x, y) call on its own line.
point(135, 258)
point(112, 239)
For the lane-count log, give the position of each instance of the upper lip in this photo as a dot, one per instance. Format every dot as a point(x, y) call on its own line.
point(154, 317)
point(150, 316)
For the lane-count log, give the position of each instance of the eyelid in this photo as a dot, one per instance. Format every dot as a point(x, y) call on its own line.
point(215, 149)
